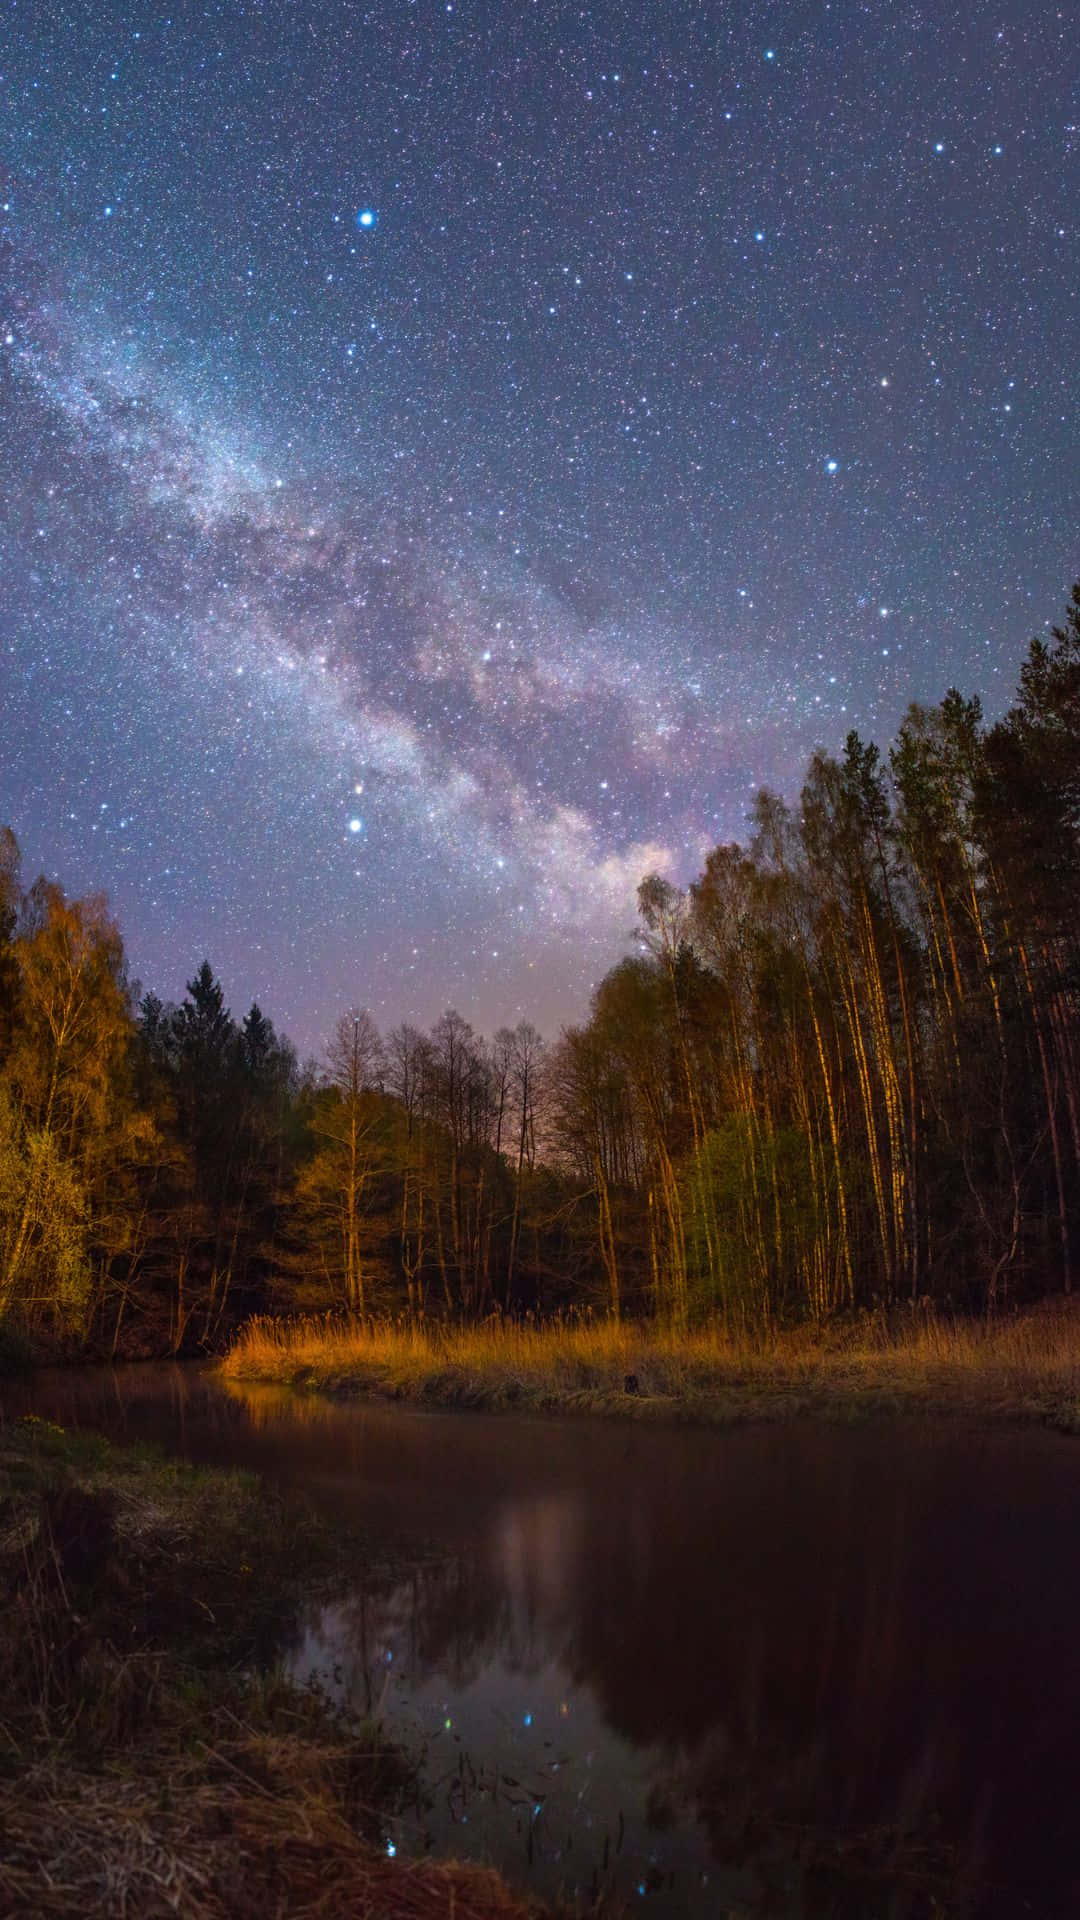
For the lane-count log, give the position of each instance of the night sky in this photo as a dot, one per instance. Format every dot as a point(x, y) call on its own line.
point(452, 454)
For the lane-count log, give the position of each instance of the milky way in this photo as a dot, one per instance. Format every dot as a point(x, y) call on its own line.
point(452, 454)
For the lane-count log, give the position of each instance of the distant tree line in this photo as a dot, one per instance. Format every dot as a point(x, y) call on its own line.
point(841, 1068)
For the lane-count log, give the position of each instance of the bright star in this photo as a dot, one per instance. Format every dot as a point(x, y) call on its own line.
point(366, 218)
point(355, 825)
point(832, 466)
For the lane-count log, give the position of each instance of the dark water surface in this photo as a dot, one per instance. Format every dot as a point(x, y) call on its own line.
point(795, 1671)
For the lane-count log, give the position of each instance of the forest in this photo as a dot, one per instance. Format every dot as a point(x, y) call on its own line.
point(839, 1070)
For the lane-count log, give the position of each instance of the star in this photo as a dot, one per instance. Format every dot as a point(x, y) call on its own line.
point(289, 501)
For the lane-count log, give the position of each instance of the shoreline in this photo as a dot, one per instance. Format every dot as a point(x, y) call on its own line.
point(1024, 1371)
point(165, 1752)
point(156, 1756)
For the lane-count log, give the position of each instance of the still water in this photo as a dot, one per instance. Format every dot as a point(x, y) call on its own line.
point(790, 1671)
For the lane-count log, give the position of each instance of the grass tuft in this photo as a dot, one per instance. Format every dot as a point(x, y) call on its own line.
point(1025, 1367)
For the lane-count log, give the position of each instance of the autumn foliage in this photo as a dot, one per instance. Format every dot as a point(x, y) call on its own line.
point(841, 1070)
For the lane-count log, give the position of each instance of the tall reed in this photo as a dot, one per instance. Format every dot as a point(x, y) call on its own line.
point(1026, 1365)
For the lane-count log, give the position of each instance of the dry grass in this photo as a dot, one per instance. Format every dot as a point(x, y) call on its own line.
point(153, 1760)
point(1020, 1367)
point(224, 1850)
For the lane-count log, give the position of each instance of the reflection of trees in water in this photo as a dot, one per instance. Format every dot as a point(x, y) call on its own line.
point(512, 1601)
point(834, 1642)
point(720, 1645)
point(267, 1406)
point(455, 1615)
point(786, 1760)
point(169, 1401)
point(768, 1809)
point(825, 1635)
point(446, 1618)
point(834, 1628)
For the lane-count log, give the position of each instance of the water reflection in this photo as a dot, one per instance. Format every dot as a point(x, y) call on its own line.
point(798, 1671)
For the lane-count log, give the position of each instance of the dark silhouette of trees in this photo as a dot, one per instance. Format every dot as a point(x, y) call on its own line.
point(842, 1068)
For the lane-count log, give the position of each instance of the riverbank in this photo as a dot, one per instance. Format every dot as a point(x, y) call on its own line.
point(154, 1757)
point(1024, 1368)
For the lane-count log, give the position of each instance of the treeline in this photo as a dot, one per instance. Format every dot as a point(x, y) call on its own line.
point(841, 1068)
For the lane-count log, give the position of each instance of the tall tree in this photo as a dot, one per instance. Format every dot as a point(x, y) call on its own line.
point(523, 1052)
point(10, 894)
point(68, 1105)
point(333, 1188)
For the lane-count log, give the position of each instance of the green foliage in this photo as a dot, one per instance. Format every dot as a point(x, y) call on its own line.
point(760, 1195)
point(842, 1068)
point(44, 1265)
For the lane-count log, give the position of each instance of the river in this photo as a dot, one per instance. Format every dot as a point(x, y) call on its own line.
point(802, 1671)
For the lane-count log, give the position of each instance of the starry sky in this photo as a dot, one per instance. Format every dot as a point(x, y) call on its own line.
point(454, 451)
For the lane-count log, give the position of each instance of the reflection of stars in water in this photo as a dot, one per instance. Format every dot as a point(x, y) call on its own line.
point(563, 1764)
